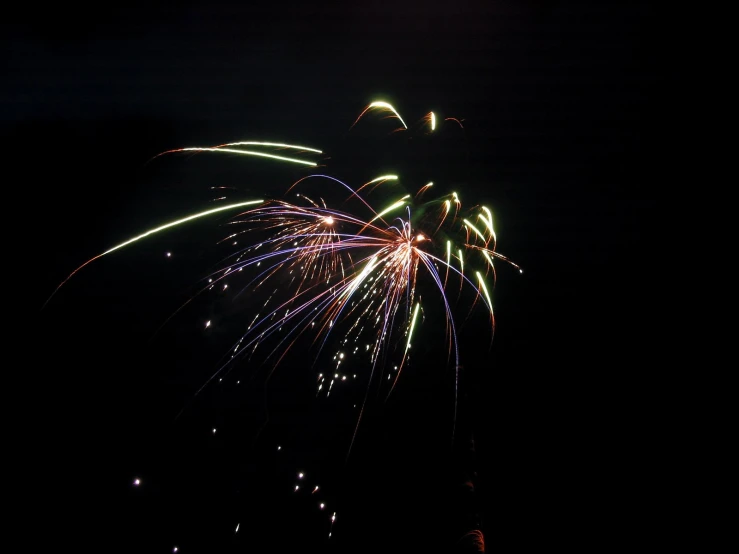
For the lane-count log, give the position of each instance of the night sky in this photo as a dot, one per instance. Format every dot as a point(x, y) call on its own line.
point(566, 138)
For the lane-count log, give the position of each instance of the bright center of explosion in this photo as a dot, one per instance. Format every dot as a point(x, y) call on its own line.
point(328, 220)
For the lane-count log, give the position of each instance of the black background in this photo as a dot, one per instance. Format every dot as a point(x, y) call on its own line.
point(568, 136)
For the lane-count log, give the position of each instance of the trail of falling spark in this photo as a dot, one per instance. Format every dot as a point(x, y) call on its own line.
point(151, 232)
point(487, 297)
point(407, 347)
point(380, 104)
point(274, 144)
point(354, 193)
point(390, 208)
point(244, 152)
point(424, 188)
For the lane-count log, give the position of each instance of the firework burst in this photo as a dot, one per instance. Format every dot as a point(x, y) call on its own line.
point(348, 269)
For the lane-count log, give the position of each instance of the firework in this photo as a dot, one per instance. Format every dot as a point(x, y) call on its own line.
point(348, 269)
point(352, 270)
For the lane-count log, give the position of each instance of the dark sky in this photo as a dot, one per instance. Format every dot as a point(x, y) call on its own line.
point(567, 137)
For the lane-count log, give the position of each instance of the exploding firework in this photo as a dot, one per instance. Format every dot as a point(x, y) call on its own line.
point(356, 275)
point(353, 268)
point(348, 269)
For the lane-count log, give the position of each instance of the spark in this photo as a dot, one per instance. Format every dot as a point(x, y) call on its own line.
point(485, 291)
point(413, 324)
point(153, 231)
point(393, 206)
point(382, 178)
point(382, 105)
point(487, 217)
point(475, 229)
point(274, 144)
point(424, 188)
point(242, 152)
